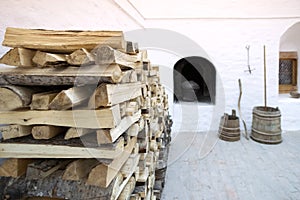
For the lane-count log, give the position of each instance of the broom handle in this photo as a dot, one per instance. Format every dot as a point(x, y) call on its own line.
point(265, 78)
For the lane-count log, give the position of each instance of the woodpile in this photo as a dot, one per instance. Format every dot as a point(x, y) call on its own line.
point(83, 116)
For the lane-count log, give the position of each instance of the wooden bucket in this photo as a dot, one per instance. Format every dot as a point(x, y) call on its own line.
point(266, 125)
point(229, 129)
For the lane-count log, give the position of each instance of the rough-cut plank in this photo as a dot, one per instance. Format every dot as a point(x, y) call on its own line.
point(14, 97)
point(103, 174)
point(108, 55)
point(61, 76)
point(80, 57)
point(9, 150)
point(14, 167)
point(128, 189)
point(79, 169)
point(77, 132)
point(61, 41)
point(43, 168)
point(19, 57)
point(102, 118)
point(14, 131)
point(111, 94)
point(45, 59)
point(108, 136)
point(41, 101)
point(46, 132)
point(71, 97)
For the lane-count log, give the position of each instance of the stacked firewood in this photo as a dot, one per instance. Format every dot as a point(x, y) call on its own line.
point(83, 116)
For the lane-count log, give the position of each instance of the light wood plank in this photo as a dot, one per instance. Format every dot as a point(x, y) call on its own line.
point(14, 167)
point(71, 97)
point(102, 118)
point(46, 132)
point(105, 136)
point(41, 101)
point(14, 131)
point(111, 94)
point(19, 57)
point(103, 174)
point(61, 41)
point(61, 76)
point(79, 169)
point(9, 150)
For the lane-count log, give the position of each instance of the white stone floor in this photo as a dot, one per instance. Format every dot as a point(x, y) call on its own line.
point(244, 170)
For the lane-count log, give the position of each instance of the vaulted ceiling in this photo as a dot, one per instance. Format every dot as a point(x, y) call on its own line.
point(179, 9)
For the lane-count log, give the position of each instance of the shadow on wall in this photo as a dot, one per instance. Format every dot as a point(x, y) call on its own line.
point(194, 80)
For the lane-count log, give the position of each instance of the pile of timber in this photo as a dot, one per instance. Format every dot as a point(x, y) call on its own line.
point(83, 116)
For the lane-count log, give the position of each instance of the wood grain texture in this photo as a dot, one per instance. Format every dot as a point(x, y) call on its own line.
point(102, 118)
point(46, 132)
point(103, 174)
point(71, 97)
point(18, 57)
point(111, 94)
point(41, 101)
point(15, 97)
point(9, 150)
point(61, 41)
point(61, 76)
point(15, 131)
point(14, 167)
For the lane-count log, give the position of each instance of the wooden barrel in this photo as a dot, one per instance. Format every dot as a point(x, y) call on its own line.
point(266, 125)
point(229, 129)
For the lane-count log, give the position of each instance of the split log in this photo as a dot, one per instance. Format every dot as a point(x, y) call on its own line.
point(105, 136)
point(102, 118)
point(14, 167)
point(71, 97)
point(133, 130)
point(111, 94)
point(15, 97)
point(19, 57)
point(130, 166)
point(47, 132)
point(103, 174)
point(43, 168)
point(79, 169)
point(129, 76)
point(127, 191)
point(61, 41)
point(61, 76)
point(44, 59)
point(80, 57)
point(41, 101)
point(108, 55)
point(132, 47)
point(77, 132)
point(15, 131)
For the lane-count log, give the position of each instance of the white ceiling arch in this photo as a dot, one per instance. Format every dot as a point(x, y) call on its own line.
point(210, 9)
